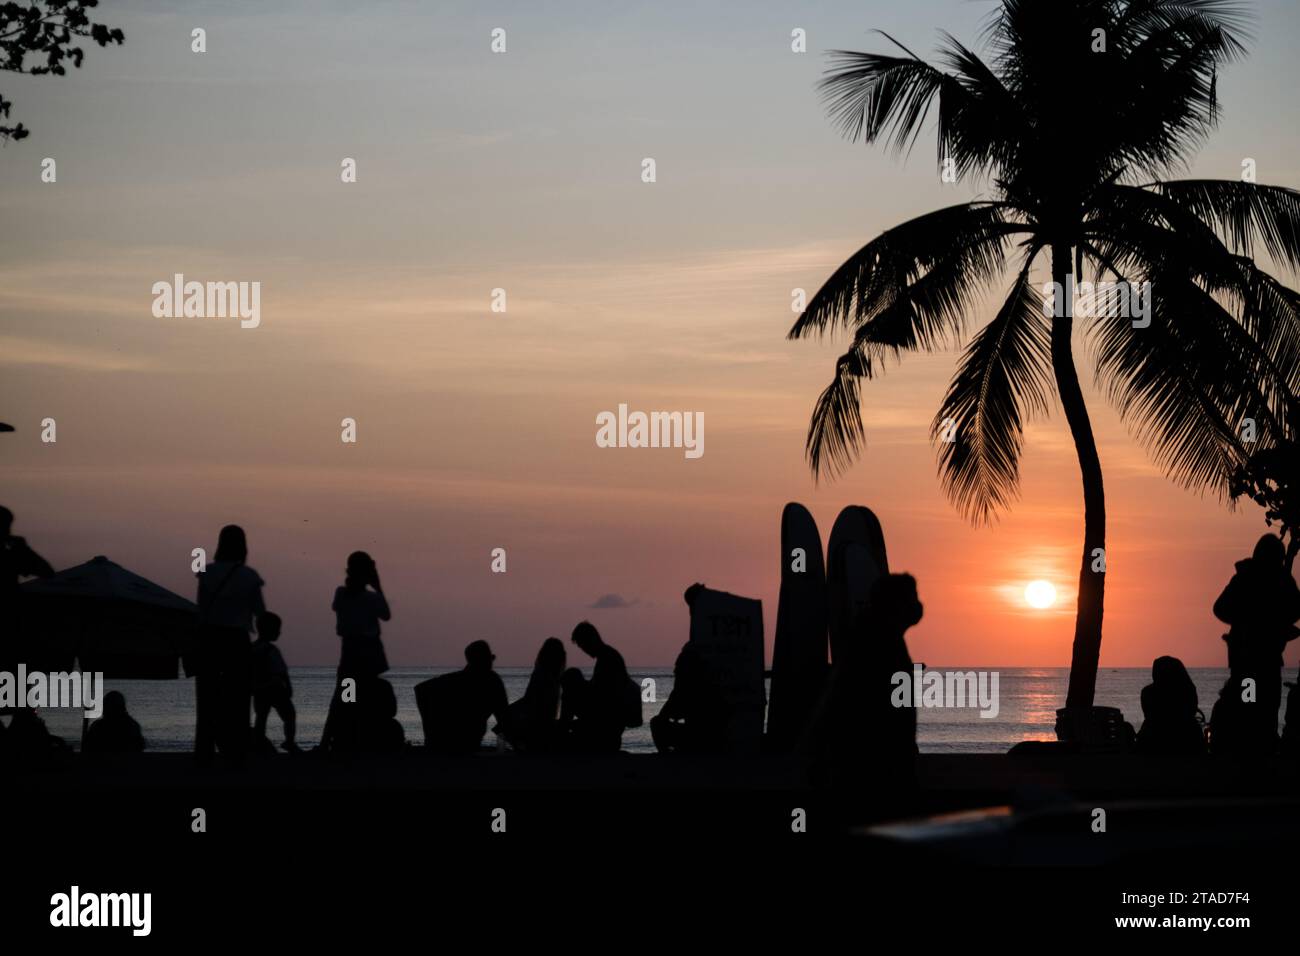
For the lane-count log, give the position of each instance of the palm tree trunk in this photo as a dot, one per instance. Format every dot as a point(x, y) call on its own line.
point(1092, 584)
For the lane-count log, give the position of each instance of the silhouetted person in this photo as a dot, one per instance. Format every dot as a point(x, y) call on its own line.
point(359, 605)
point(230, 597)
point(573, 702)
point(272, 689)
point(694, 717)
point(606, 704)
point(116, 732)
point(455, 707)
point(532, 722)
point(859, 740)
point(1291, 729)
point(369, 725)
point(29, 737)
point(1170, 713)
point(384, 733)
point(17, 561)
point(1261, 604)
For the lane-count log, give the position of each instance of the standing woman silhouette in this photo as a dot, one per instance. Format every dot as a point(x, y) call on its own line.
point(359, 605)
point(230, 596)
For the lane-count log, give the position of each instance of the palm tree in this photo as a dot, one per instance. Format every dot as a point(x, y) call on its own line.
point(1071, 124)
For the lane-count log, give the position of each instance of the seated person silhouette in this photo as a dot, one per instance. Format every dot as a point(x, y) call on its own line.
point(532, 722)
point(383, 731)
point(694, 717)
point(271, 687)
point(606, 700)
point(28, 735)
point(116, 732)
point(368, 724)
point(1171, 721)
point(455, 707)
point(573, 702)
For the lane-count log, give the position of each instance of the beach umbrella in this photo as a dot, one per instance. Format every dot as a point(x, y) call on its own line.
point(108, 619)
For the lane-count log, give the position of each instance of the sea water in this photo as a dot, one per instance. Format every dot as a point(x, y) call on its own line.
point(1028, 699)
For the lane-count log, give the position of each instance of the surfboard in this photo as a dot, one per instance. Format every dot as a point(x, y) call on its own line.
point(855, 557)
point(799, 663)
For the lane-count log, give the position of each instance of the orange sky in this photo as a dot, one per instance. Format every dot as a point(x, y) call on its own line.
point(476, 430)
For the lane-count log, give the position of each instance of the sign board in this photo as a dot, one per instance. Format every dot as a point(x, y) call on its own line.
point(727, 630)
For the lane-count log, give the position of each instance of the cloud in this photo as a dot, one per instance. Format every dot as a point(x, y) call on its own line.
point(23, 351)
point(613, 601)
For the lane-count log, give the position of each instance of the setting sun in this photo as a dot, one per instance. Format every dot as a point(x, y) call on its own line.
point(1040, 594)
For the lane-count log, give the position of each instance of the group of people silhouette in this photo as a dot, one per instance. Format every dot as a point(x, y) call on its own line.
point(1260, 605)
point(560, 711)
point(853, 731)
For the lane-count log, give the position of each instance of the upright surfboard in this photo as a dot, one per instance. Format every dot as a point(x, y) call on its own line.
point(855, 557)
point(799, 653)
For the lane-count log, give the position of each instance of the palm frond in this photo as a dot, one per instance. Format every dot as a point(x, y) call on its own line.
point(1243, 213)
point(1161, 102)
point(1004, 375)
point(1141, 18)
point(921, 274)
point(871, 96)
point(835, 435)
point(985, 129)
point(1185, 383)
point(1138, 229)
point(1146, 235)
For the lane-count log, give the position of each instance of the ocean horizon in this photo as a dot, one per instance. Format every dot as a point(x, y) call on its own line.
point(1027, 701)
